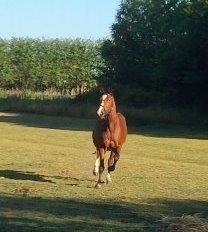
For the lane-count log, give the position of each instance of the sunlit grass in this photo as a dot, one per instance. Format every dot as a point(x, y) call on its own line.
point(47, 183)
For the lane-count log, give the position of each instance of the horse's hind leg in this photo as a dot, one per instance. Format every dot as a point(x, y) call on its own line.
point(114, 157)
point(101, 153)
point(110, 164)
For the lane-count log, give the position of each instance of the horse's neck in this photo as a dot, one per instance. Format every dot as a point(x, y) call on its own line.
point(112, 118)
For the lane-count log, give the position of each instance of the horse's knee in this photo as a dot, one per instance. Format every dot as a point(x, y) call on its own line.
point(101, 168)
point(112, 165)
point(116, 157)
point(111, 161)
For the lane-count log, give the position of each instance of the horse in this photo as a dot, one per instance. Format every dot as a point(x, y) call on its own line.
point(109, 134)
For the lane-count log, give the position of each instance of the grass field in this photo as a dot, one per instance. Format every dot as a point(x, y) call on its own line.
point(46, 181)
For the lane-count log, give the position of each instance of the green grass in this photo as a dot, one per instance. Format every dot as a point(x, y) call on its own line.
point(46, 181)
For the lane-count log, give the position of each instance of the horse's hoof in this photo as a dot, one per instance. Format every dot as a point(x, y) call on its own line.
point(108, 180)
point(98, 185)
point(95, 173)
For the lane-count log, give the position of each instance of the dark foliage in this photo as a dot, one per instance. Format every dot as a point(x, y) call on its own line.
point(161, 48)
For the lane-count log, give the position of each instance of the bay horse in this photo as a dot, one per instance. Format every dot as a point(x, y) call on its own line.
point(109, 134)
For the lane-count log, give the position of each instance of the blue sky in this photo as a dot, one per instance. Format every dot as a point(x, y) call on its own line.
point(87, 19)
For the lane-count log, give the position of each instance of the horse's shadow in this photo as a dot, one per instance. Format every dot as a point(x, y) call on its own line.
point(32, 176)
point(51, 122)
point(20, 175)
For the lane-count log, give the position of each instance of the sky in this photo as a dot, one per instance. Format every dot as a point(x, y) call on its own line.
point(86, 19)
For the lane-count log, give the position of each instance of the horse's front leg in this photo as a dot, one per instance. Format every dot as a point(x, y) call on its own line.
point(101, 152)
point(97, 164)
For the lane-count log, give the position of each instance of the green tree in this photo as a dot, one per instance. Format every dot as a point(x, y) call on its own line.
point(62, 65)
point(160, 46)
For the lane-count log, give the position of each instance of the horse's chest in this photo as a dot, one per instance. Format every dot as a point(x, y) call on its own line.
point(102, 139)
point(106, 138)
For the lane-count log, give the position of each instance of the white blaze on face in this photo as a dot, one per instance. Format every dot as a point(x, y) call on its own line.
point(99, 112)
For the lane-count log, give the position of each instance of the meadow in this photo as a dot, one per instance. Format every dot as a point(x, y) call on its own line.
point(47, 182)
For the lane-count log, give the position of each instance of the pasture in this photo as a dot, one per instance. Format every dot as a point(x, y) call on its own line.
point(46, 180)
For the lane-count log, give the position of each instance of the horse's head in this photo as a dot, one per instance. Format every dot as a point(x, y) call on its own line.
point(107, 104)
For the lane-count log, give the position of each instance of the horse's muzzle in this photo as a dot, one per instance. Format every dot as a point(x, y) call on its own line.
point(100, 112)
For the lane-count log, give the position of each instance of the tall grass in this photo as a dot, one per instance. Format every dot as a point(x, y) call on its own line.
point(54, 103)
point(48, 103)
point(183, 224)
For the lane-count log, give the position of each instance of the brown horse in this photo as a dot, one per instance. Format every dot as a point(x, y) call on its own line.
point(109, 135)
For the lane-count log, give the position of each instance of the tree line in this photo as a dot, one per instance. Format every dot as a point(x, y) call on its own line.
point(39, 65)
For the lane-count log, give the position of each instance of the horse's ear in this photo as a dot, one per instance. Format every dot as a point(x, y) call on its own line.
point(102, 90)
point(110, 91)
point(107, 90)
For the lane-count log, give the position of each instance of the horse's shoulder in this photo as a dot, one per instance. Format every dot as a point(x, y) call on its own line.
point(101, 128)
point(121, 116)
